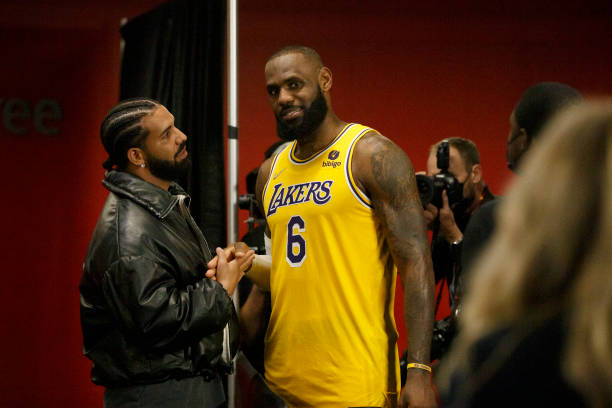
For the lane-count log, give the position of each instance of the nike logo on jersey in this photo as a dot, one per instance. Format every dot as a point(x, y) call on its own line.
point(318, 192)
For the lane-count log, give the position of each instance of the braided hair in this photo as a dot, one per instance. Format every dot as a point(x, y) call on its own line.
point(122, 129)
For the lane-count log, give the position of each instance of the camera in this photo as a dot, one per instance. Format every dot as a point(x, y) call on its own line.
point(255, 223)
point(246, 202)
point(430, 188)
point(249, 203)
point(444, 332)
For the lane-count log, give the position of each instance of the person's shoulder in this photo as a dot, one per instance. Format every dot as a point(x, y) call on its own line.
point(486, 212)
point(372, 142)
point(132, 224)
point(377, 149)
point(371, 133)
point(264, 173)
point(489, 206)
point(482, 222)
point(122, 230)
point(379, 165)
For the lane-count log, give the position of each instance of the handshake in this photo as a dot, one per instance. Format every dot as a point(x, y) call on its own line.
point(230, 265)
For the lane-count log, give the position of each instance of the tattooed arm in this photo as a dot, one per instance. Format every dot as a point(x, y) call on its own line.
point(385, 173)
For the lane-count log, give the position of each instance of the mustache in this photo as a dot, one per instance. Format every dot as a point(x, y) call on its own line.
point(180, 149)
point(288, 109)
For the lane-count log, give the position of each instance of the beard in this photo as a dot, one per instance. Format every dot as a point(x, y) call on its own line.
point(312, 119)
point(169, 170)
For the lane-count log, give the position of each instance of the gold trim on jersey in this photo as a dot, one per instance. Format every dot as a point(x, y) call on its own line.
point(295, 160)
point(270, 177)
point(348, 172)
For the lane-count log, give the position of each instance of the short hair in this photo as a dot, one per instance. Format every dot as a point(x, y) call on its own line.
point(540, 102)
point(299, 49)
point(121, 129)
point(466, 148)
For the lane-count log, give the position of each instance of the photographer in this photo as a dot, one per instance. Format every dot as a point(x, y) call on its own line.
point(254, 301)
point(459, 189)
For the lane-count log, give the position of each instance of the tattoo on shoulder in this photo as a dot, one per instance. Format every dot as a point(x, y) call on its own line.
point(393, 172)
point(397, 206)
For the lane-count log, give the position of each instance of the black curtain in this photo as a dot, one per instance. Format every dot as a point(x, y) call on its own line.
point(175, 54)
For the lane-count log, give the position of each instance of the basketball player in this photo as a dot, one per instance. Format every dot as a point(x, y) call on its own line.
point(344, 215)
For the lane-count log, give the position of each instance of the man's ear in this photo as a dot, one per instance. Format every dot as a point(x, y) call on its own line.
point(325, 79)
point(524, 139)
point(476, 174)
point(136, 156)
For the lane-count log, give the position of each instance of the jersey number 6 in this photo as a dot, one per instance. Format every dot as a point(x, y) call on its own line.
point(296, 244)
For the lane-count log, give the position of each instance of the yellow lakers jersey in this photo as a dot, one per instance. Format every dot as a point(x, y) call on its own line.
point(331, 340)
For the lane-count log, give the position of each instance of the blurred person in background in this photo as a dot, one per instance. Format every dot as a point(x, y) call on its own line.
point(536, 106)
point(536, 327)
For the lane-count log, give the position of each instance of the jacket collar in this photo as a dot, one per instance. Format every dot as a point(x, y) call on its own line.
point(160, 202)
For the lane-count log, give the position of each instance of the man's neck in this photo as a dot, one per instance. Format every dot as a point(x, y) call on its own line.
point(478, 196)
point(146, 175)
point(320, 138)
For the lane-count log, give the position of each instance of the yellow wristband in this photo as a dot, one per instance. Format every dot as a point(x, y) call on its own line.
point(420, 366)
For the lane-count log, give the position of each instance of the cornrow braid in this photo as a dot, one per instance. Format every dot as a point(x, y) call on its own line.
point(121, 129)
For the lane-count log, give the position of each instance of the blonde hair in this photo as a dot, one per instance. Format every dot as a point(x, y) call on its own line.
point(552, 251)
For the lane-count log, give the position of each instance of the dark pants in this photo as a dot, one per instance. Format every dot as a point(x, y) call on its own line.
point(190, 392)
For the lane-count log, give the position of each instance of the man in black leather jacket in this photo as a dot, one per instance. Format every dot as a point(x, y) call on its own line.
point(153, 323)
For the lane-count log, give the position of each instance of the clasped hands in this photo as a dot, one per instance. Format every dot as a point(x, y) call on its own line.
point(229, 265)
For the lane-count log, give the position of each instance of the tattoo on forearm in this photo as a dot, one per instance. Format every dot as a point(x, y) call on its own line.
point(400, 216)
point(399, 211)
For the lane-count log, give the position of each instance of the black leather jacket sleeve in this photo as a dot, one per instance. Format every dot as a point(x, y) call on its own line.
point(154, 312)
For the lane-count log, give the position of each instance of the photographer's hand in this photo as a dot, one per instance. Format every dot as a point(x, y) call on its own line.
point(430, 213)
point(448, 227)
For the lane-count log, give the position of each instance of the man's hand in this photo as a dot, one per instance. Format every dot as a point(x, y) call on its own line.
point(239, 251)
point(228, 272)
point(448, 227)
point(418, 391)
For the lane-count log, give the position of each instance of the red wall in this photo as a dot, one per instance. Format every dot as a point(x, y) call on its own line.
point(415, 73)
point(52, 194)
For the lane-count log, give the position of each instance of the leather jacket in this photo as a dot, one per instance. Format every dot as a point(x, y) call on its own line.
point(148, 314)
